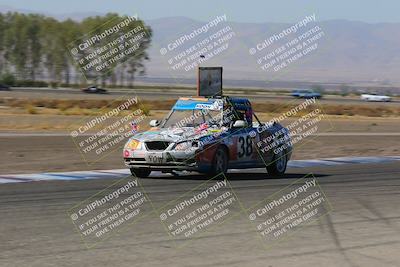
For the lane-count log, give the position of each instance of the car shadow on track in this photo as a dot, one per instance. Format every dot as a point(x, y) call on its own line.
point(239, 176)
point(265, 176)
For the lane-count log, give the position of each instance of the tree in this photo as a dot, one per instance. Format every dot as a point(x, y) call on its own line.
point(33, 46)
point(16, 40)
point(3, 26)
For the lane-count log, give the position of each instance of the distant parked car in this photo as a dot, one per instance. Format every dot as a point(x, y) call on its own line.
point(376, 97)
point(94, 90)
point(305, 93)
point(4, 87)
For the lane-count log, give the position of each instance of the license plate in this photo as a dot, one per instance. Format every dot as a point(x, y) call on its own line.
point(156, 158)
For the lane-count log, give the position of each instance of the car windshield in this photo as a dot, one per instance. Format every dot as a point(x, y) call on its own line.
point(193, 118)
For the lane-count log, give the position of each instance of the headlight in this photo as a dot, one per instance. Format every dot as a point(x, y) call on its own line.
point(133, 144)
point(186, 145)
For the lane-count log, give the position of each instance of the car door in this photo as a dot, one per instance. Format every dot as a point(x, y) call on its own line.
point(241, 144)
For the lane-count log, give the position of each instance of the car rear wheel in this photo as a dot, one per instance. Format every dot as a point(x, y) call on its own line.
point(279, 164)
point(142, 173)
point(220, 161)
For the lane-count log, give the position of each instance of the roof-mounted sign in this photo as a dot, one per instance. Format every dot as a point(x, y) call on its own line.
point(209, 81)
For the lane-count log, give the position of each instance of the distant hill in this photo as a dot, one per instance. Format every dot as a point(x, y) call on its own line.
point(350, 51)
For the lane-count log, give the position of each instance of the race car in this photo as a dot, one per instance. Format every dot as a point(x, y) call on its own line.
point(4, 87)
point(305, 93)
point(375, 97)
point(209, 135)
point(94, 90)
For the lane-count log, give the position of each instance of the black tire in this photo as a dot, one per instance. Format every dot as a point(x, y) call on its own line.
point(142, 173)
point(220, 161)
point(279, 164)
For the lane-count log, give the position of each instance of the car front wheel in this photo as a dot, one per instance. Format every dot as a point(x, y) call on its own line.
point(220, 161)
point(278, 166)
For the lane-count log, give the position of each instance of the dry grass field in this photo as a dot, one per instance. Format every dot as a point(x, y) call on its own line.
point(97, 106)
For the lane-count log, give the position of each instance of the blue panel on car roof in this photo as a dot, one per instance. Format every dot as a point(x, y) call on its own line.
point(195, 104)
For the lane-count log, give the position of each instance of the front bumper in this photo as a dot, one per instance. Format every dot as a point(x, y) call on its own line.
point(163, 161)
point(189, 165)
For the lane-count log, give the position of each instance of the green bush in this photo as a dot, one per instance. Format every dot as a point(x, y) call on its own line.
point(71, 85)
point(8, 79)
point(30, 83)
point(54, 84)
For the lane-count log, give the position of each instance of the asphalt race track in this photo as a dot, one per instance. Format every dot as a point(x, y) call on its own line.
point(363, 229)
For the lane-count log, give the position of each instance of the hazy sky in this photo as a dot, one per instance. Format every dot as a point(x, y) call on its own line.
point(241, 11)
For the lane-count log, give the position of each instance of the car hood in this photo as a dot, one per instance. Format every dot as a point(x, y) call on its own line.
point(174, 135)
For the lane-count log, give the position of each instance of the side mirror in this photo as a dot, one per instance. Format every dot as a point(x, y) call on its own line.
point(239, 124)
point(154, 123)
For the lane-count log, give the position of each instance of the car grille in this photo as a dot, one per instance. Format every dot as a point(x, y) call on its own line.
point(157, 145)
point(134, 159)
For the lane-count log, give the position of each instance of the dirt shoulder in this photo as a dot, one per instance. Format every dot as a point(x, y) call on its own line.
point(17, 120)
